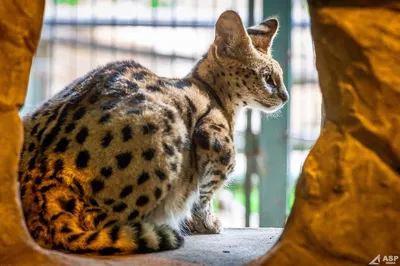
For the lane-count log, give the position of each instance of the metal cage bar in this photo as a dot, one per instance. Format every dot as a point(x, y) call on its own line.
point(273, 137)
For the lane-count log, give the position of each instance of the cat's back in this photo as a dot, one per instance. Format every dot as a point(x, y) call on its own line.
point(111, 121)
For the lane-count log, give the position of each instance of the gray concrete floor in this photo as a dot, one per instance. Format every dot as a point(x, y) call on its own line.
point(232, 247)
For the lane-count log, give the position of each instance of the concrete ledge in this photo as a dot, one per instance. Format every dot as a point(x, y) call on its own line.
point(233, 247)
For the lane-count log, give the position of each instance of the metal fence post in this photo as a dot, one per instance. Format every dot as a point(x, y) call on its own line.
point(274, 131)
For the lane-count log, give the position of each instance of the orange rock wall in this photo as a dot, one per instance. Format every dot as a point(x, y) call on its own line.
point(347, 207)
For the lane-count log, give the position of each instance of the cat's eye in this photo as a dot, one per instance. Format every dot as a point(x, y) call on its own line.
point(270, 81)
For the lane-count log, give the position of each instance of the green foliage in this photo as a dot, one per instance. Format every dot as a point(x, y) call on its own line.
point(158, 3)
point(290, 198)
point(238, 193)
point(68, 2)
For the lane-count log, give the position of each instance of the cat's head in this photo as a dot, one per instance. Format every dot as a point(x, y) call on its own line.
point(244, 55)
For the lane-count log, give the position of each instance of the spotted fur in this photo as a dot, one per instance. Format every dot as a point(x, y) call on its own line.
point(117, 161)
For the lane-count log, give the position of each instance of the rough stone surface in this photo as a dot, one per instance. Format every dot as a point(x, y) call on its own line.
point(232, 247)
point(347, 207)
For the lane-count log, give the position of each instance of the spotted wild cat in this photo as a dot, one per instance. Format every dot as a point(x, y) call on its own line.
point(121, 158)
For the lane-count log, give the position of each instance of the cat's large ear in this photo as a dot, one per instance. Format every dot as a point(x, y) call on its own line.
point(264, 33)
point(231, 38)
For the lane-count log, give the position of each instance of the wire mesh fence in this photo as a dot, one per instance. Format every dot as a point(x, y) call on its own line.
point(168, 36)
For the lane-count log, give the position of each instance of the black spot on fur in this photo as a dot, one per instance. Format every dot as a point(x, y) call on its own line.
point(132, 85)
point(106, 140)
point(153, 88)
point(134, 111)
point(157, 193)
point(39, 135)
point(170, 115)
point(177, 106)
point(108, 105)
point(50, 137)
point(22, 192)
point(120, 207)
point(143, 178)
point(43, 165)
point(106, 172)
point(181, 84)
point(79, 113)
point(94, 209)
point(142, 247)
point(58, 165)
point(92, 237)
point(142, 200)
point(126, 191)
point(99, 218)
point(61, 145)
point(31, 147)
point(82, 159)
point(114, 233)
point(191, 104)
point(202, 138)
point(82, 135)
point(168, 127)
point(126, 133)
point(44, 189)
point(109, 201)
point(133, 215)
point(66, 229)
point(34, 129)
point(69, 127)
point(110, 223)
point(168, 149)
point(149, 128)
point(79, 187)
point(178, 143)
point(74, 237)
point(138, 98)
point(139, 75)
point(160, 174)
point(217, 145)
point(93, 202)
point(210, 184)
point(67, 205)
point(109, 251)
point(123, 159)
point(93, 98)
point(173, 167)
point(97, 185)
point(149, 154)
point(225, 159)
point(118, 94)
point(56, 216)
point(190, 118)
point(105, 118)
point(32, 162)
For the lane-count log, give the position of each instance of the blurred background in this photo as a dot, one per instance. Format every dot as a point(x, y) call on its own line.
point(168, 36)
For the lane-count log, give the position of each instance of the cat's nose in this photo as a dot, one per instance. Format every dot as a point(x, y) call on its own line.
point(283, 94)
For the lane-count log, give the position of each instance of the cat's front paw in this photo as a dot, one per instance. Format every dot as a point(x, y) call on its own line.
point(207, 224)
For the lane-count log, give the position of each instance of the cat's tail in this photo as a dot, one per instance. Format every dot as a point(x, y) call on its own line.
point(73, 225)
